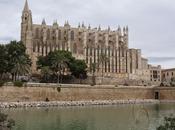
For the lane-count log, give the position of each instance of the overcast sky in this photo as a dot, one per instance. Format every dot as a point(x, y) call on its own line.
point(151, 22)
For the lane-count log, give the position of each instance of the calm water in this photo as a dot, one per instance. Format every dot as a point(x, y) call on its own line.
point(123, 117)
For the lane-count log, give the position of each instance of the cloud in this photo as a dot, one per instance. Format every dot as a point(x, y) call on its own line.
point(166, 62)
point(151, 22)
point(161, 59)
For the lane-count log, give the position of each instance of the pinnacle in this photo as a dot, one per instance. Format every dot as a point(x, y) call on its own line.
point(26, 7)
point(44, 22)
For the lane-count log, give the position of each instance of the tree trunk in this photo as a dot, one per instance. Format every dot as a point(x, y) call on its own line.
point(15, 77)
point(58, 76)
point(1, 76)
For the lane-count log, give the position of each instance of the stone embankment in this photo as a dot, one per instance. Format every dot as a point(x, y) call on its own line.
point(73, 103)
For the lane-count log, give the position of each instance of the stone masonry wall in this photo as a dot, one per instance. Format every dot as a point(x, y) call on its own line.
point(166, 93)
point(68, 94)
point(13, 94)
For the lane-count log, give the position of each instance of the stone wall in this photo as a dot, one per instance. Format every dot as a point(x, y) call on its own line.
point(81, 93)
point(72, 93)
point(166, 93)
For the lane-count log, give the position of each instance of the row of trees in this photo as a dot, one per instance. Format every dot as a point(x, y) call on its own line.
point(60, 63)
point(14, 60)
point(57, 64)
point(53, 67)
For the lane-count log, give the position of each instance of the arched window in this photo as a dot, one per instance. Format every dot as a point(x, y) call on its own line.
point(72, 35)
point(42, 50)
point(123, 52)
point(46, 49)
point(53, 35)
point(75, 48)
point(37, 33)
point(59, 35)
point(34, 47)
point(38, 47)
point(48, 34)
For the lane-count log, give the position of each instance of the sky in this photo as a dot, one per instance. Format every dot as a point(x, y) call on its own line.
point(151, 22)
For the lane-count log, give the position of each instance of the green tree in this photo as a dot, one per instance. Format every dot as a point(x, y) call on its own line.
point(3, 60)
point(172, 83)
point(46, 73)
point(5, 122)
point(21, 66)
point(169, 124)
point(58, 62)
point(14, 60)
point(78, 69)
point(61, 62)
point(42, 62)
point(18, 61)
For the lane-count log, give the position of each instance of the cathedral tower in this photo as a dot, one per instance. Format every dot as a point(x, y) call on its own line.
point(26, 29)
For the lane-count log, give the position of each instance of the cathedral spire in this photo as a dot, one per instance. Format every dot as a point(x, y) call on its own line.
point(109, 28)
point(119, 29)
point(99, 28)
point(127, 29)
point(89, 27)
point(43, 22)
point(124, 30)
point(79, 25)
point(83, 25)
point(55, 23)
point(26, 7)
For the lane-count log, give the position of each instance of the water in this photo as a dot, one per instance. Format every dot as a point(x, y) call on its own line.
point(122, 117)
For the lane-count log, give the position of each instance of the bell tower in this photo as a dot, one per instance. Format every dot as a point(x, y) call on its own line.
point(26, 28)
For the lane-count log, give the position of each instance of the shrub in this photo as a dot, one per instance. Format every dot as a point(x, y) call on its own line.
point(1, 83)
point(3, 117)
point(47, 100)
point(169, 124)
point(116, 85)
point(126, 84)
point(18, 83)
point(162, 85)
point(172, 84)
point(10, 123)
point(5, 122)
point(92, 84)
point(58, 89)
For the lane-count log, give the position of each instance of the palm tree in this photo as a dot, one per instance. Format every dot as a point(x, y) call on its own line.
point(102, 60)
point(18, 61)
point(21, 66)
point(46, 72)
point(59, 65)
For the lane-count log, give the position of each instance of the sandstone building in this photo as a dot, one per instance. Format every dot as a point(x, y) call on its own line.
point(168, 75)
point(155, 74)
point(89, 44)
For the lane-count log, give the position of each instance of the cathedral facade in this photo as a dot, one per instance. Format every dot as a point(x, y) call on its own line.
point(107, 49)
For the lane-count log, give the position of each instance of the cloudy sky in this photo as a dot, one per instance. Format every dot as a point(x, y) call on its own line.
point(151, 22)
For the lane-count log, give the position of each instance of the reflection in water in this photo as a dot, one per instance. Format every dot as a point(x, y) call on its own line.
point(157, 110)
point(140, 118)
point(122, 117)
